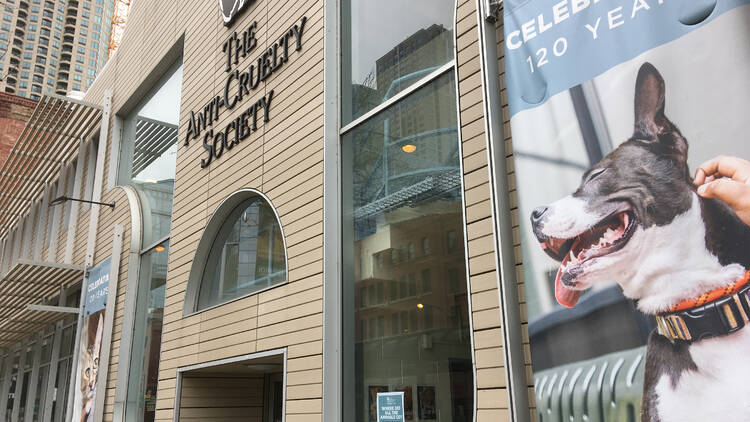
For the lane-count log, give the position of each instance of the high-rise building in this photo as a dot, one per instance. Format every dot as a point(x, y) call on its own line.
point(52, 46)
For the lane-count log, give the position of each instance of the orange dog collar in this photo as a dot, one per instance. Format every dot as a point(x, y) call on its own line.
point(712, 295)
point(715, 313)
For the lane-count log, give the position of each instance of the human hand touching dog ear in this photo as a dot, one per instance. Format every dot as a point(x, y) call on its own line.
point(726, 179)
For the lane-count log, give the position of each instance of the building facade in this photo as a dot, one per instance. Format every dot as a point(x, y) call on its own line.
point(275, 211)
point(52, 46)
point(302, 221)
point(14, 113)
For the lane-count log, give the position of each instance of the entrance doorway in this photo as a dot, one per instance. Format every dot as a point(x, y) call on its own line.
point(248, 388)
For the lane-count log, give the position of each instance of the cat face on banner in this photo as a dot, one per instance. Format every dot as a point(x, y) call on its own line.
point(90, 370)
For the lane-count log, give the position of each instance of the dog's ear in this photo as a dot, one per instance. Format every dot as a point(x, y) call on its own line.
point(650, 122)
point(649, 102)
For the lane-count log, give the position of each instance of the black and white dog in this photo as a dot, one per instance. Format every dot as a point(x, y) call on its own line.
point(636, 219)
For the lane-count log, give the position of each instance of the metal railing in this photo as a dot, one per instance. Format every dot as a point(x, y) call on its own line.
point(608, 388)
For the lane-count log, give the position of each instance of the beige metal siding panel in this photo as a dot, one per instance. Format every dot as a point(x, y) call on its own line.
point(492, 399)
point(284, 159)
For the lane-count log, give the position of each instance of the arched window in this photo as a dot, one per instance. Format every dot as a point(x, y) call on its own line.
point(242, 252)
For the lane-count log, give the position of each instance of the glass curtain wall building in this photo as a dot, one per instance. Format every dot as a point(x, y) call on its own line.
point(405, 305)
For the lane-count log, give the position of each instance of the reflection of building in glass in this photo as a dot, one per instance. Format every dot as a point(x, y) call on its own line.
point(247, 254)
point(148, 155)
point(412, 58)
point(157, 205)
point(364, 98)
point(253, 255)
point(412, 307)
point(396, 266)
point(417, 121)
point(410, 326)
point(156, 269)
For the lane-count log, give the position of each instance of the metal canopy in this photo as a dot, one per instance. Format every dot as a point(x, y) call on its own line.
point(31, 283)
point(50, 138)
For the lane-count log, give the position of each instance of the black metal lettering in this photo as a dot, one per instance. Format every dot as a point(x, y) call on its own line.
point(191, 132)
point(265, 67)
point(255, 115)
point(255, 82)
point(219, 141)
point(267, 106)
point(228, 49)
point(284, 41)
point(244, 129)
point(252, 41)
point(244, 78)
point(271, 60)
point(298, 30)
point(236, 124)
point(230, 127)
point(202, 119)
point(276, 63)
point(208, 114)
point(230, 104)
point(206, 161)
point(238, 48)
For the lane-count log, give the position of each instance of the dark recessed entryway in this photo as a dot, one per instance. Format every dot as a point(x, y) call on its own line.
point(250, 389)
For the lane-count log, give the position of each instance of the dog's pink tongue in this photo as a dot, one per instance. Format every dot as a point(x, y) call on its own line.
point(565, 295)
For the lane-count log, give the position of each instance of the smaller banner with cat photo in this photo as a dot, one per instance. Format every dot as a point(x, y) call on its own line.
point(92, 330)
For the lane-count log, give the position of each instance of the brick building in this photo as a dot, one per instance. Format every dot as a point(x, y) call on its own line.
point(14, 112)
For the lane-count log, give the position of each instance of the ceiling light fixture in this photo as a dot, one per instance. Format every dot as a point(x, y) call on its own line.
point(409, 148)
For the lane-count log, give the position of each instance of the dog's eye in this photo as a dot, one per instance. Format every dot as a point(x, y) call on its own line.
point(594, 174)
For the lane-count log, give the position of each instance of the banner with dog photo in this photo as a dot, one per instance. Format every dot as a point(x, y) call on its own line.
point(92, 331)
point(635, 262)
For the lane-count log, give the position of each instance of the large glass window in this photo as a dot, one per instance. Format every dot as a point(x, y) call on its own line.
point(51, 221)
point(388, 45)
point(148, 155)
point(247, 255)
point(40, 396)
point(148, 162)
point(12, 389)
point(3, 369)
point(406, 320)
point(67, 346)
point(69, 182)
point(26, 380)
point(149, 317)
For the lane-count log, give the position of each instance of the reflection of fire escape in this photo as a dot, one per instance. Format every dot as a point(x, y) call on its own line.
point(425, 176)
point(119, 17)
point(438, 180)
point(431, 186)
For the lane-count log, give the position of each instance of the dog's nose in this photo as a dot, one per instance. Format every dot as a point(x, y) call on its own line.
point(538, 214)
